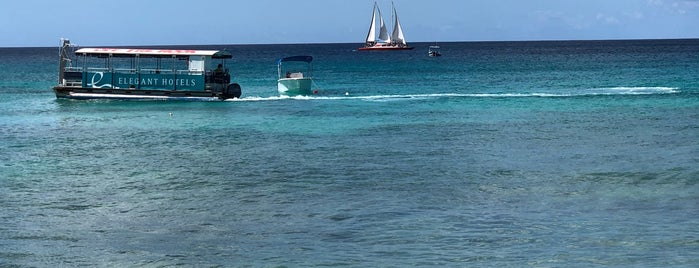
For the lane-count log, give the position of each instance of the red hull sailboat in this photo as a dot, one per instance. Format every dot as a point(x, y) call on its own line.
point(384, 42)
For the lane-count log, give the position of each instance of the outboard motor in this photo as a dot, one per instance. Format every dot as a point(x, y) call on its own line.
point(232, 91)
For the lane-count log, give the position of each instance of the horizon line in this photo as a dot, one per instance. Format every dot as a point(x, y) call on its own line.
point(343, 43)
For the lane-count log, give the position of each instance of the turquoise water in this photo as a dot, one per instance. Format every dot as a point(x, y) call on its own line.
point(544, 154)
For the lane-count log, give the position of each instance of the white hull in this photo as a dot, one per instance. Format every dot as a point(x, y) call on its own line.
point(124, 94)
point(134, 97)
point(295, 86)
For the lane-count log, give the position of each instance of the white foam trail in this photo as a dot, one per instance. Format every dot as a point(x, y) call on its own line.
point(395, 97)
point(635, 90)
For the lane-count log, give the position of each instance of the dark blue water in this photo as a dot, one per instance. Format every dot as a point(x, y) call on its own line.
point(545, 154)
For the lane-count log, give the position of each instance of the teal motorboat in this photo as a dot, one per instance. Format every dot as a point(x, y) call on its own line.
point(294, 77)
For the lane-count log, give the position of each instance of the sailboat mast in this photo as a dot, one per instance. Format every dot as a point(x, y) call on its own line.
point(393, 28)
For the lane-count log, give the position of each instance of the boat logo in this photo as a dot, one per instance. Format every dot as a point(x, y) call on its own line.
point(94, 83)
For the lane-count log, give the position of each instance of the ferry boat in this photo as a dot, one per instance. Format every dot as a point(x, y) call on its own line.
point(125, 73)
point(384, 42)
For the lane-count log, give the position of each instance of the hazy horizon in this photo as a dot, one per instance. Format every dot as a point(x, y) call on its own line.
point(33, 23)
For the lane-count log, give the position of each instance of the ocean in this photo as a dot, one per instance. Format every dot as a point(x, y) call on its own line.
point(497, 154)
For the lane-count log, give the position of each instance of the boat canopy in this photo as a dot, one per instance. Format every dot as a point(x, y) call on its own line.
point(222, 54)
point(307, 59)
point(155, 53)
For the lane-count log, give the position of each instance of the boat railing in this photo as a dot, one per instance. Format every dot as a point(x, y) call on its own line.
point(72, 77)
point(190, 72)
point(217, 77)
point(126, 71)
point(97, 69)
point(133, 71)
point(156, 71)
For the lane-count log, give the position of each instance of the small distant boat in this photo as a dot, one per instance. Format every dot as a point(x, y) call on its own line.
point(433, 51)
point(143, 73)
point(384, 42)
point(293, 82)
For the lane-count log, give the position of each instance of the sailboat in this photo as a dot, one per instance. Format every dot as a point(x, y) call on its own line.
point(384, 42)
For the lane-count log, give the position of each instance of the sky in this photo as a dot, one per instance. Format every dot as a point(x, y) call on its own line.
point(35, 23)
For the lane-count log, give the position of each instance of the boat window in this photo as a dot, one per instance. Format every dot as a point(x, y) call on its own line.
point(99, 64)
point(181, 64)
point(123, 64)
point(196, 64)
point(149, 65)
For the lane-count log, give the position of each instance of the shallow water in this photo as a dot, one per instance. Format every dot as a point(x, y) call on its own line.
point(496, 154)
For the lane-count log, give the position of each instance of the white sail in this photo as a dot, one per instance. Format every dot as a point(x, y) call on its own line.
point(397, 35)
point(371, 37)
point(383, 33)
point(383, 40)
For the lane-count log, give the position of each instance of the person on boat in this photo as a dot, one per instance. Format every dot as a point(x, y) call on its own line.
point(219, 74)
point(219, 69)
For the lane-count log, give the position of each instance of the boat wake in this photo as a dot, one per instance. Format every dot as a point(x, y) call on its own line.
point(633, 90)
point(607, 91)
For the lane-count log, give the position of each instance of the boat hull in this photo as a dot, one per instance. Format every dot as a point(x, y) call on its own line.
point(295, 86)
point(63, 92)
point(384, 48)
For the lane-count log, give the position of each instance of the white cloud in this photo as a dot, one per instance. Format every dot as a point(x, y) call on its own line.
point(676, 6)
point(607, 18)
point(634, 15)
